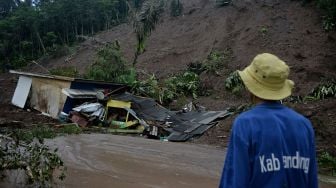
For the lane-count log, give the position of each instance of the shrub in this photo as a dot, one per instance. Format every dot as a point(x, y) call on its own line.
point(324, 90)
point(217, 60)
point(233, 83)
point(328, 162)
point(186, 84)
point(151, 88)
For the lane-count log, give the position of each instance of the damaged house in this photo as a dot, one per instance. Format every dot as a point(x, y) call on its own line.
point(109, 105)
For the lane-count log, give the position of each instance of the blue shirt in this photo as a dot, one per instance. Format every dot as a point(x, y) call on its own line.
point(271, 146)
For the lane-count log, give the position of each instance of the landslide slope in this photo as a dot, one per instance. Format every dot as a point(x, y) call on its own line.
point(285, 28)
point(247, 27)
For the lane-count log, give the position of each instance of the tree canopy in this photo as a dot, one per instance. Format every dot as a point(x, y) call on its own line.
point(31, 28)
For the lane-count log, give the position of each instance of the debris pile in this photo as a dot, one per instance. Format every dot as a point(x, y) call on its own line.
point(127, 113)
point(107, 105)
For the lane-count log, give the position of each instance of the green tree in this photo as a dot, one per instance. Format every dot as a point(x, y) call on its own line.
point(111, 66)
point(32, 28)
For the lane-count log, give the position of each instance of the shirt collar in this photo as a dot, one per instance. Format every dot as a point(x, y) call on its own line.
point(270, 104)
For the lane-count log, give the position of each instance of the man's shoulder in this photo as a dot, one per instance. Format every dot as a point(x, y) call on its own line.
point(246, 116)
point(261, 113)
point(294, 114)
point(251, 113)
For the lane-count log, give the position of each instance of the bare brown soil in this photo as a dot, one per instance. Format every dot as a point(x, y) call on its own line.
point(11, 115)
point(285, 28)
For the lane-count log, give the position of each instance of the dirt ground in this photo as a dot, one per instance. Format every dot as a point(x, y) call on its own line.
point(10, 114)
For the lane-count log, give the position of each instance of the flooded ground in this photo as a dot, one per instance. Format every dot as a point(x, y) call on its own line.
point(98, 160)
point(101, 160)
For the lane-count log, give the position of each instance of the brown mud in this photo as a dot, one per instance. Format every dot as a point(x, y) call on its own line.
point(100, 160)
point(97, 160)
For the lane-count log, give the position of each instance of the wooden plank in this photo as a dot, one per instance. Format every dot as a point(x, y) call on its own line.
point(22, 91)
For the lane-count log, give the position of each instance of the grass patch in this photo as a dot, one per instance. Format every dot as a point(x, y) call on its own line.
point(64, 71)
point(41, 132)
point(70, 129)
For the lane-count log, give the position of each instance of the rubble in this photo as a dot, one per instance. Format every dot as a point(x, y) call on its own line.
point(127, 113)
point(89, 103)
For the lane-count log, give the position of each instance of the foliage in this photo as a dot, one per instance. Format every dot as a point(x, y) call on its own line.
point(65, 71)
point(176, 8)
point(30, 29)
point(186, 84)
point(70, 129)
point(151, 88)
point(327, 161)
point(129, 77)
point(324, 90)
point(111, 66)
point(23, 149)
point(233, 83)
point(145, 22)
point(41, 132)
point(196, 67)
point(35, 159)
point(217, 60)
point(329, 10)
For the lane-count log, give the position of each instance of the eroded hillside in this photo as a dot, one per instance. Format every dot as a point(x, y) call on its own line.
point(245, 28)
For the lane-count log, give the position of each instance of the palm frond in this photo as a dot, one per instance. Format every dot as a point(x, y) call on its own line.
point(146, 21)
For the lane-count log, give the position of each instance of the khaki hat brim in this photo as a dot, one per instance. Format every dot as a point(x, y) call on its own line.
point(263, 91)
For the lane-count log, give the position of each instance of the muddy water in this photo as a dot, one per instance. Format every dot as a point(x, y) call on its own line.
point(97, 160)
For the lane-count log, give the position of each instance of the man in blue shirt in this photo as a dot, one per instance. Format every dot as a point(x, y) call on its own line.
point(271, 146)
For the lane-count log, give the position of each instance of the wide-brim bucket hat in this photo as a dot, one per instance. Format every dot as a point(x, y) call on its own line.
point(266, 77)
